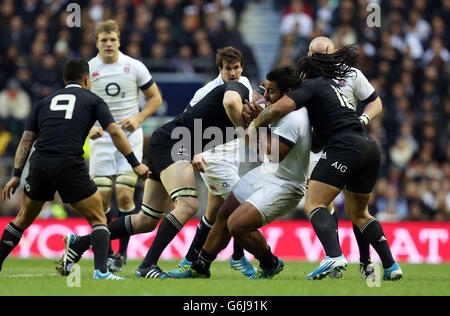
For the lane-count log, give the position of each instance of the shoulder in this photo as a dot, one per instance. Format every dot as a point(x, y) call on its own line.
point(132, 61)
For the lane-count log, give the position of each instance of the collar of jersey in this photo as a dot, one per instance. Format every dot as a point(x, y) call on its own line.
point(73, 85)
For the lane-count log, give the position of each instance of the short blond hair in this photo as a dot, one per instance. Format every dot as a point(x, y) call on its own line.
point(107, 26)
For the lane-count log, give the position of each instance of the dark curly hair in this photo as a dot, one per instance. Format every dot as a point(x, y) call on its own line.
point(330, 66)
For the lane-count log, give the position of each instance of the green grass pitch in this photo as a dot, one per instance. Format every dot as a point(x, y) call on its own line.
point(38, 277)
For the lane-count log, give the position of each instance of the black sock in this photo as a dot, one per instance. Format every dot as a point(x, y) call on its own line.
point(167, 231)
point(363, 245)
point(325, 227)
point(124, 240)
point(267, 261)
point(100, 241)
point(201, 234)
point(238, 251)
point(374, 233)
point(119, 228)
point(335, 218)
point(10, 239)
point(108, 215)
point(203, 262)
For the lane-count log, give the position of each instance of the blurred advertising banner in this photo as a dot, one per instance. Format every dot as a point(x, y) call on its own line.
point(413, 242)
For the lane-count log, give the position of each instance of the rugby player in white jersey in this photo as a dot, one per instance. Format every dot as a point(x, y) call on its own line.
point(356, 88)
point(265, 193)
point(117, 79)
point(219, 166)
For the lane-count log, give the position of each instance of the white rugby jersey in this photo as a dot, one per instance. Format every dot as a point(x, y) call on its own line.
point(356, 87)
point(233, 146)
point(118, 84)
point(295, 129)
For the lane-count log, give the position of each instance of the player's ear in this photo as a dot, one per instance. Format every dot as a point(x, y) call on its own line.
point(87, 82)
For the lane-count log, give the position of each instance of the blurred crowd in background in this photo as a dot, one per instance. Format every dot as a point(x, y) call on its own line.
point(405, 57)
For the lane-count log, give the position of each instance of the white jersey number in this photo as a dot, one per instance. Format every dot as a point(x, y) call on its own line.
point(64, 102)
point(343, 98)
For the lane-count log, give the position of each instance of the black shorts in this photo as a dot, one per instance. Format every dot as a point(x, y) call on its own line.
point(68, 175)
point(350, 160)
point(163, 152)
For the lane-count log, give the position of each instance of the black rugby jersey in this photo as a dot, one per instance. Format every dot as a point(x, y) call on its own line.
point(208, 113)
point(330, 112)
point(63, 120)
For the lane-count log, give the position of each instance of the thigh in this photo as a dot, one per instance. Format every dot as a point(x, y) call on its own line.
point(245, 218)
point(319, 195)
point(156, 196)
point(179, 180)
point(356, 207)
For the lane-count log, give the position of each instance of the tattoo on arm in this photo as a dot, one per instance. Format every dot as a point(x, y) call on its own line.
point(24, 149)
point(265, 117)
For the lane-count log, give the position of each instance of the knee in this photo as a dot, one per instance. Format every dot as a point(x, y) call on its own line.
point(125, 200)
point(142, 223)
point(189, 206)
point(234, 226)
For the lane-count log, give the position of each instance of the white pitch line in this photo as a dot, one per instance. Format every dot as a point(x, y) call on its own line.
point(40, 275)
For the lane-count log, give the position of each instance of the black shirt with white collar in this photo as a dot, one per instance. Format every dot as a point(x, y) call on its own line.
point(63, 119)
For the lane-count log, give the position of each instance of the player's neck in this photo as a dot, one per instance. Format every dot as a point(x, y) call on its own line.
point(109, 60)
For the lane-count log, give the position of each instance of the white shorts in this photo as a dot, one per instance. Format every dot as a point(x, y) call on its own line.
point(106, 160)
point(221, 173)
point(273, 197)
point(313, 160)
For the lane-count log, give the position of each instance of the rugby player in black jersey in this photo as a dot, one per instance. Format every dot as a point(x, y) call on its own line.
point(172, 178)
point(58, 128)
point(350, 161)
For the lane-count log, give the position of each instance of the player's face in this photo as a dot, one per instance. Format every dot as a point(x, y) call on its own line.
point(108, 46)
point(273, 92)
point(231, 71)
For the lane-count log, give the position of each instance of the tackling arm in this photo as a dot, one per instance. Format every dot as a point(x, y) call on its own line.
point(372, 110)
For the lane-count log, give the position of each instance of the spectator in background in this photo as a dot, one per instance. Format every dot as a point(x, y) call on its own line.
point(297, 22)
point(15, 104)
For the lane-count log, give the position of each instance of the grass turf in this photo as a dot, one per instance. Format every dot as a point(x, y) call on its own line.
point(37, 277)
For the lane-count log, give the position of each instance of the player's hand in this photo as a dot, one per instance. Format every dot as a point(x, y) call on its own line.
point(130, 124)
point(96, 132)
point(10, 188)
point(198, 161)
point(142, 171)
point(250, 111)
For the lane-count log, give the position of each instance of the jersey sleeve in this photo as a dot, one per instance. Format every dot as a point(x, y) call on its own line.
point(33, 121)
point(143, 76)
point(104, 115)
point(239, 88)
point(363, 89)
point(303, 94)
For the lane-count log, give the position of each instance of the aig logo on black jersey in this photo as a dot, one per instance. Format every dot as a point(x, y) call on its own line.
point(339, 166)
point(112, 89)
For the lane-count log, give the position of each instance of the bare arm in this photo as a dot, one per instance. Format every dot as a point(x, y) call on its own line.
point(275, 111)
point(22, 153)
point(233, 106)
point(121, 142)
point(119, 139)
point(372, 111)
point(154, 101)
point(24, 149)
